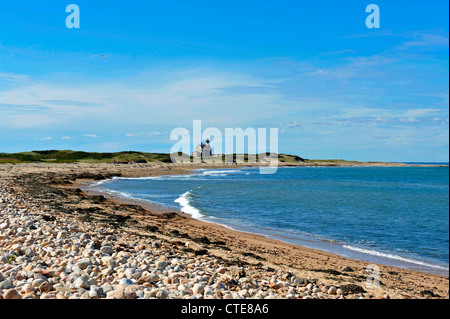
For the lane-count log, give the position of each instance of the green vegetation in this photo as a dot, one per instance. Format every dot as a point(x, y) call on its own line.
point(67, 156)
point(338, 162)
point(11, 259)
point(330, 161)
point(286, 158)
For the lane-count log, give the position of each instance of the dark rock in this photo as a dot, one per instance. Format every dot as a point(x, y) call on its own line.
point(203, 240)
point(301, 281)
point(232, 282)
point(175, 232)
point(429, 293)
point(169, 215)
point(122, 219)
point(352, 289)
point(152, 229)
point(48, 218)
point(96, 199)
point(200, 252)
point(328, 271)
point(252, 255)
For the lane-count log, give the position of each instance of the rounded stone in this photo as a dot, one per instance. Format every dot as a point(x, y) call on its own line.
point(161, 264)
point(83, 263)
point(37, 283)
point(12, 294)
point(162, 294)
point(316, 290)
point(198, 289)
point(130, 294)
point(208, 291)
point(107, 250)
point(7, 284)
point(332, 290)
point(126, 282)
point(45, 287)
point(81, 283)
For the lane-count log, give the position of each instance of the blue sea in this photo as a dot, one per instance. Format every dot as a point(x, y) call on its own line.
point(396, 216)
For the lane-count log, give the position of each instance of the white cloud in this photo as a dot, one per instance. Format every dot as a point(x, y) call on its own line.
point(352, 68)
point(409, 120)
point(426, 40)
point(292, 125)
point(423, 112)
point(12, 77)
point(171, 98)
point(145, 134)
point(91, 135)
point(43, 138)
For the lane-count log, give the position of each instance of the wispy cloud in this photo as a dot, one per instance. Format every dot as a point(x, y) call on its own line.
point(425, 40)
point(145, 134)
point(10, 77)
point(43, 138)
point(352, 68)
point(138, 99)
point(338, 53)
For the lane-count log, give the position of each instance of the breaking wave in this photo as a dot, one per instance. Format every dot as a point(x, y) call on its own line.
point(186, 207)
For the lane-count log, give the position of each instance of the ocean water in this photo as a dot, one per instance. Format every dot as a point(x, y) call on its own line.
point(390, 215)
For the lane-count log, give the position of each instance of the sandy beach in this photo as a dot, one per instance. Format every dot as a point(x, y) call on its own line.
point(80, 244)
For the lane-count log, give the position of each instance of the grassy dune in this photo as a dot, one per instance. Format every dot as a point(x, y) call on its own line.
point(68, 156)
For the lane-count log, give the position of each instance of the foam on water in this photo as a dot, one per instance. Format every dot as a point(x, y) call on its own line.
point(186, 207)
point(395, 257)
point(119, 194)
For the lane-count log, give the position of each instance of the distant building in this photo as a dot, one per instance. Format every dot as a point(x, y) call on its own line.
point(203, 149)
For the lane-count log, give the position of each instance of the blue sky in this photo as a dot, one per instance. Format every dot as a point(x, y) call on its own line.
point(333, 87)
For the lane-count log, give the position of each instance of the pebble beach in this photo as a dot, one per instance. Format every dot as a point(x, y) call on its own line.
point(125, 251)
